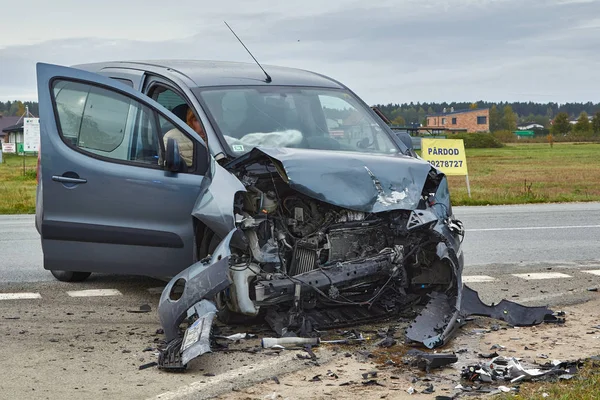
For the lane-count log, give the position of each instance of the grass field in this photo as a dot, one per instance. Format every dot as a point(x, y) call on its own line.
point(515, 174)
point(530, 173)
point(17, 187)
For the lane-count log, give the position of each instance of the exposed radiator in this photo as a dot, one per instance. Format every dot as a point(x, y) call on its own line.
point(304, 260)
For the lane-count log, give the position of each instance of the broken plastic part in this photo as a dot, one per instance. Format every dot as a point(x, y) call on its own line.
point(196, 340)
point(427, 361)
point(511, 312)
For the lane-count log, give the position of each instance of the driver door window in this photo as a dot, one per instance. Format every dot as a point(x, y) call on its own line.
point(175, 103)
point(106, 123)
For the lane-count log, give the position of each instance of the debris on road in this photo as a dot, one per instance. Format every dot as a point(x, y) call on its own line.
point(144, 308)
point(510, 369)
point(427, 361)
point(148, 365)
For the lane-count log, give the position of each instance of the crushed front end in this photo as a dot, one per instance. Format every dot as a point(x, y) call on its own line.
point(305, 256)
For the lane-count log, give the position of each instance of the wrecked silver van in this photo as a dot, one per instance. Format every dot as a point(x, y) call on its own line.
point(296, 204)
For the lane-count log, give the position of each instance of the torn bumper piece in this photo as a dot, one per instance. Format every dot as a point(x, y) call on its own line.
point(439, 320)
point(201, 281)
point(508, 311)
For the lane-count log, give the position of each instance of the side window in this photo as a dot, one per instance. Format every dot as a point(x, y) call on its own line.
point(173, 102)
point(106, 123)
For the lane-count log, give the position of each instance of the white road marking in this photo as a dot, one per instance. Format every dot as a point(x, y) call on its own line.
point(94, 293)
point(477, 278)
point(19, 296)
point(532, 228)
point(541, 275)
point(593, 272)
point(155, 290)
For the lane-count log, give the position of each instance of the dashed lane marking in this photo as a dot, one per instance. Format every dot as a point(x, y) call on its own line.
point(532, 228)
point(19, 296)
point(542, 275)
point(94, 293)
point(477, 278)
point(593, 272)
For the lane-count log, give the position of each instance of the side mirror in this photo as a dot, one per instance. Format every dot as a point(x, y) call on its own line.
point(406, 139)
point(172, 157)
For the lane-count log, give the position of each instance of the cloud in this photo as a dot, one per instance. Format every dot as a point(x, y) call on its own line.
point(388, 51)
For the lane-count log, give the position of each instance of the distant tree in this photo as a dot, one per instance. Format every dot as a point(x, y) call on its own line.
point(583, 123)
point(596, 123)
point(495, 119)
point(561, 125)
point(398, 121)
point(421, 113)
point(411, 115)
point(17, 108)
point(509, 119)
point(473, 106)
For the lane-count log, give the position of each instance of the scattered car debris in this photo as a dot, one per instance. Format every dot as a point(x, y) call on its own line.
point(411, 390)
point(372, 382)
point(427, 361)
point(301, 341)
point(237, 336)
point(372, 374)
point(144, 308)
point(429, 389)
point(148, 365)
point(510, 369)
point(490, 355)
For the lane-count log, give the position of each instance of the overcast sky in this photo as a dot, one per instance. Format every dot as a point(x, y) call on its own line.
point(385, 50)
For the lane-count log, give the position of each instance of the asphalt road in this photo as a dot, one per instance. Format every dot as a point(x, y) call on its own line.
point(527, 234)
point(106, 339)
point(509, 236)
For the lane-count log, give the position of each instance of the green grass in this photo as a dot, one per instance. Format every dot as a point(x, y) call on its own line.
point(514, 174)
point(530, 173)
point(17, 187)
point(584, 386)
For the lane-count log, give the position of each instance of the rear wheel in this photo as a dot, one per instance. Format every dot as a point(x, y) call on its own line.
point(70, 276)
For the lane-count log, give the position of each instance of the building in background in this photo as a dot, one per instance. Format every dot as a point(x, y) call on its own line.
point(527, 126)
point(6, 123)
point(476, 120)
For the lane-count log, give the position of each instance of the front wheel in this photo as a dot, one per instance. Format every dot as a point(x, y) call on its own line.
point(70, 276)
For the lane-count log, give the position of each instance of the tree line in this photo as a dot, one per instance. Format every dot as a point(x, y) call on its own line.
point(504, 116)
point(501, 114)
point(17, 108)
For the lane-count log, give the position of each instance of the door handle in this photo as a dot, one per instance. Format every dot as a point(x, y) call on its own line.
point(67, 179)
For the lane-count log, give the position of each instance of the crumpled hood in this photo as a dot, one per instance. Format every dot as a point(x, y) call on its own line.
point(356, 181)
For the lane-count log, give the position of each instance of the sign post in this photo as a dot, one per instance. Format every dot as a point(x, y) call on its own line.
point(448, 155)
point(31, 134)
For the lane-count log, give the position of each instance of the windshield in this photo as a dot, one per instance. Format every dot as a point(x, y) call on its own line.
point(306, 118)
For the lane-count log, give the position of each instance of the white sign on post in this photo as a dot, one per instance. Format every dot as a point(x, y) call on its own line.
point(31, 134)
point(9, 148)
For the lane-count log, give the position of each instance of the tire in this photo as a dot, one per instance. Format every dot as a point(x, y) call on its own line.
point(70, 276)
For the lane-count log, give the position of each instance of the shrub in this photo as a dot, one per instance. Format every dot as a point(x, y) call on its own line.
point(505, 136)
point(477, 140)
